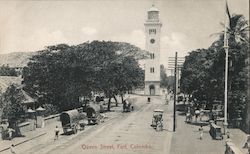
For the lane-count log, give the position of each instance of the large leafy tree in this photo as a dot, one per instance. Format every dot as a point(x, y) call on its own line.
point(60, 74)
point(11, 106)
point(203, 70)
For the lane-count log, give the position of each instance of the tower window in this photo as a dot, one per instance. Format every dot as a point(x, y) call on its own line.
point(152, 31)
point(152, 69)
point(152, 56)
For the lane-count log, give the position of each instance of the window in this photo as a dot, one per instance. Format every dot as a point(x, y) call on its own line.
point(152, 31)
point(152, 56)
point(152, 70)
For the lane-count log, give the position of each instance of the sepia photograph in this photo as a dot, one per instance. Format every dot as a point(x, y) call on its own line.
point(124, 77)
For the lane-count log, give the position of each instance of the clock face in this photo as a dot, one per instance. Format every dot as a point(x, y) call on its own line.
point(152, 41)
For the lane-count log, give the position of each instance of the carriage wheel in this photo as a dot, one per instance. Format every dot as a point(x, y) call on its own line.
point(75, 129)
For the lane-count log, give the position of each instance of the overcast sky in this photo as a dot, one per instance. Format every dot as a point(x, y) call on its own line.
point(187, 24)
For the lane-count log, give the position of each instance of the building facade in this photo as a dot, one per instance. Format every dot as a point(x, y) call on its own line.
point(152, 65)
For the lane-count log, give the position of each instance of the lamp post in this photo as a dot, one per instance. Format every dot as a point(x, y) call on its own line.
point(226, 71)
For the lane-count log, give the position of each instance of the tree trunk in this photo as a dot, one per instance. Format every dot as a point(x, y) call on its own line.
point(109, 104)
point(122, 97)
point(116, 102)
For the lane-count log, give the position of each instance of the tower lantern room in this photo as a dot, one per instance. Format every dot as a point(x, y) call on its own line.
point(153, 14)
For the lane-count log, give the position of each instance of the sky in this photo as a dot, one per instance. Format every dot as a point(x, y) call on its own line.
point(30, 25)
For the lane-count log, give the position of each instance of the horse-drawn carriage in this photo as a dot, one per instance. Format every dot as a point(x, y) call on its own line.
point(72, 121)
point(157, 120)
point(93, 113)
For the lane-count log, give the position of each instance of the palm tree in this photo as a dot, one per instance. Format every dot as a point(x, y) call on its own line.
point(238, 29)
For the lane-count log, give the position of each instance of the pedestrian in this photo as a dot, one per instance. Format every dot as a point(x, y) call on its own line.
point(228, 134)
point(12, 149)
point(10, 133)
point(197, 113)
point(56, 133)
point(148, 99)
point(201, 132)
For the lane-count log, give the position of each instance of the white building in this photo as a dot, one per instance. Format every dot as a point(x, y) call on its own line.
point(152, 65)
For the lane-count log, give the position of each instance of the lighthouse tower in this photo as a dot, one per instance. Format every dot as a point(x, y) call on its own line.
point(152, 65)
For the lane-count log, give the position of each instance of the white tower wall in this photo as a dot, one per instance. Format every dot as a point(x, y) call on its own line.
point(152, 65)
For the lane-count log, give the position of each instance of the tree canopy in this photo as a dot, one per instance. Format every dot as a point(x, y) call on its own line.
point(10, 104)
point(203, 70)
point(60, 74)
point(5, 70)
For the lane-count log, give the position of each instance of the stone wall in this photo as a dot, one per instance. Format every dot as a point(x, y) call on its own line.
point(51, 119)
point(231, 148)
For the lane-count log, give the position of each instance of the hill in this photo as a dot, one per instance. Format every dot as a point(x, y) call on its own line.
point(16, 59)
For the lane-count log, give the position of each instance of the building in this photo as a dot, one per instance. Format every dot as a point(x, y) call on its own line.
point(152, 65)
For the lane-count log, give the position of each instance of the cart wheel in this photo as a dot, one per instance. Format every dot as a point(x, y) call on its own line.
point(75, 129)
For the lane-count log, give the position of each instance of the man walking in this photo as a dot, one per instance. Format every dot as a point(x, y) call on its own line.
point(56, 133)
point(201, 132)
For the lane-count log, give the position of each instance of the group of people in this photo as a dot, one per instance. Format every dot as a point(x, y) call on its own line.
point(197, 113)
point(127, 106)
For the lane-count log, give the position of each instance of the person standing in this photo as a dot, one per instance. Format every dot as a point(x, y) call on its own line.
point(201, 132)
point(56, 133)
point(10, 133)
point(12, 149)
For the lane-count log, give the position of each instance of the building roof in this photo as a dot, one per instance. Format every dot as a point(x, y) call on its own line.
point(27, 98)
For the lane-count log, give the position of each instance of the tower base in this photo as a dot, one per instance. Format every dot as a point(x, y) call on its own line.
point(152, 88)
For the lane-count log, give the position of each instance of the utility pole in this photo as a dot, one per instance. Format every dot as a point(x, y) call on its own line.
point(175, 89)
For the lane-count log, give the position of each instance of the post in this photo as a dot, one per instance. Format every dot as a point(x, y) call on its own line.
point(226, 71)
point(175, 87)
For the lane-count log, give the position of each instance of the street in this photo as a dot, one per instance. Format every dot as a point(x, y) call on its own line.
point(131, 133)
point(128, 133)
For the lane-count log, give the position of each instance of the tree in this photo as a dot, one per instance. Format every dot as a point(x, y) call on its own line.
point(5, 70)
point(164, 82)
point(11, 104)
point(203, 69)
point(60, 74)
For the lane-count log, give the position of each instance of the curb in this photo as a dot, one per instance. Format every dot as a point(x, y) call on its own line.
point(24, 141)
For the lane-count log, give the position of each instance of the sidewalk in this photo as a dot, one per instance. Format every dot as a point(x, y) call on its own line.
point(47, 131)
point(186, 139)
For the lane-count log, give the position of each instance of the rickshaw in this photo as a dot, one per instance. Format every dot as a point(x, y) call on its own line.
point(72, 121)
point(157, 120)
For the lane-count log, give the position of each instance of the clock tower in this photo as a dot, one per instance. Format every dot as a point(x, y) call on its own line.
point(152, 64)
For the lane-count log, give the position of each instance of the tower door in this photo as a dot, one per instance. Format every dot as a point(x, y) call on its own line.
point(152, 90)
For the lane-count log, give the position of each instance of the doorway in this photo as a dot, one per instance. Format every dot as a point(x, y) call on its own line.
point(152, 90)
